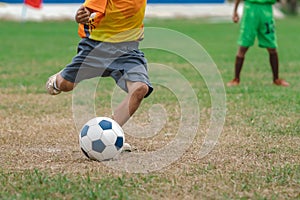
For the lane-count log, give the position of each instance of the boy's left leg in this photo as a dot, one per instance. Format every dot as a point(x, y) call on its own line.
point(273, 58)
point(136, 93)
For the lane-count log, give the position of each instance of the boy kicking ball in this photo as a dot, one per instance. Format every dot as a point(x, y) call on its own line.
point(110, 32)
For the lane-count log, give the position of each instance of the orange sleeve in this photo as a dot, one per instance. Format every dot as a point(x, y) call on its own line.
point(96, 5)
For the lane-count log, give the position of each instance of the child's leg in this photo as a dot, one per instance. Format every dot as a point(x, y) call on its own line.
point(56, 84)
point(136, 93)
point(64, 85)
point(273, 58)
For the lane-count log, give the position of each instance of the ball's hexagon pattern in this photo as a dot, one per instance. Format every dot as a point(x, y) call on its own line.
point(96, 156)
point(117, 129)
point(86, 144)
point(109, 152)
point(101, 138)
point(108, 137)
point(94, 132)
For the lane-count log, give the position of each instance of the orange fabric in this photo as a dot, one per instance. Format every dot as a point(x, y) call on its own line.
point(122, 20)
point(96, 5)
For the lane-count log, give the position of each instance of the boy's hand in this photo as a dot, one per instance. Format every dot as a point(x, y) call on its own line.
point(82, 15)
point(235, 17)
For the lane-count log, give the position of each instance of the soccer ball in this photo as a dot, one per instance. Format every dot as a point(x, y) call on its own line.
point(101, 138)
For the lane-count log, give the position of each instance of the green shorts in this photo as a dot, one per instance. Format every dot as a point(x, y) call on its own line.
point(257, 21)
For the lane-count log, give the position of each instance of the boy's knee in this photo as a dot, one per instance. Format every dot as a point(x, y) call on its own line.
point(272, 51)
point(242, 51)
point(140, 91)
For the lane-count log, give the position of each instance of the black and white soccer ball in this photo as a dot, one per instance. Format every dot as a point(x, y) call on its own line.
point(101, 138)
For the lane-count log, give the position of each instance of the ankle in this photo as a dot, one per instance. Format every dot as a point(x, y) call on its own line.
point(236, 80)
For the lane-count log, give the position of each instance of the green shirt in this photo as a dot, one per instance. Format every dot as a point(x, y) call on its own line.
point(262, 1)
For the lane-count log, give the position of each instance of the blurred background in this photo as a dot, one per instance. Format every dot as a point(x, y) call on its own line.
point(41, 10)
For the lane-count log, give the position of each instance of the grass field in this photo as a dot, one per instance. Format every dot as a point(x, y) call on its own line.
point(257, 155)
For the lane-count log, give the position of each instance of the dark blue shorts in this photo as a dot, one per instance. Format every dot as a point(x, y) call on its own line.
point(121, 61)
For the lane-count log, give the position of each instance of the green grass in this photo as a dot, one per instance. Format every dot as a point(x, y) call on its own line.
point(30, 51)
point(38, 185)
point(257, 156)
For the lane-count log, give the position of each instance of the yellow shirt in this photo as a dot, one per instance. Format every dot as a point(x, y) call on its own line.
point(114, 20)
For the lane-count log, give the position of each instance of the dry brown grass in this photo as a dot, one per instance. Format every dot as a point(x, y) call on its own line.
point(38, 132)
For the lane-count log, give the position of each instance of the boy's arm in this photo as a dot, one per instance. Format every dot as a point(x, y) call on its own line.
point(235, 17)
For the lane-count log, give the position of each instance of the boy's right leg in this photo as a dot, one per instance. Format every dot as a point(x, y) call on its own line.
point(57, 83)
point(51, 85)
point(63, 84)
point(239, 60)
